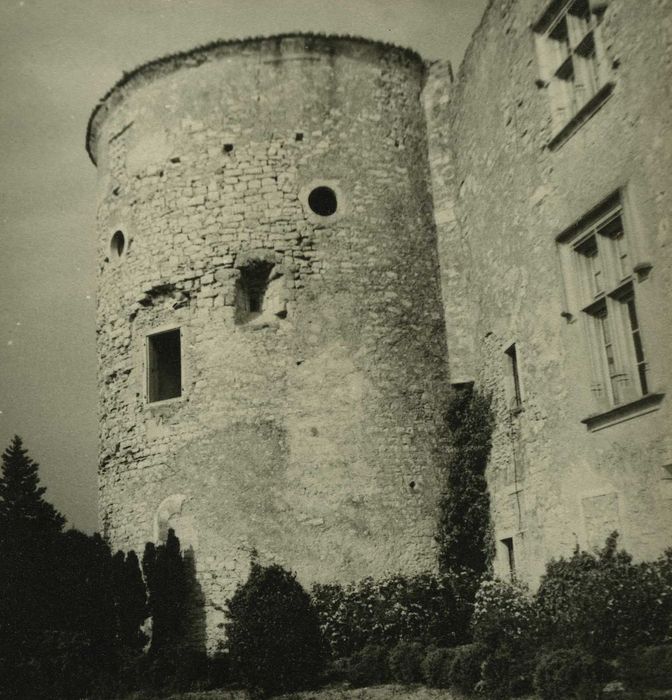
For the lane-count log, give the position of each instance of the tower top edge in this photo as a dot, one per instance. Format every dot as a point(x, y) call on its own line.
point(329, 44)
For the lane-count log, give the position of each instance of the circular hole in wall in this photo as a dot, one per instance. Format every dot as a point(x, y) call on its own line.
point(322, 200)
point(117, 245)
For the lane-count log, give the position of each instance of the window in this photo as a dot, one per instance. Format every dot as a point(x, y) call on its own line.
point(164, 366)
point(251, 290)
point(117, 245)
point(602, 284)
point(322, 200)
point(572, 62)
point(509, 556)
point(516, 398)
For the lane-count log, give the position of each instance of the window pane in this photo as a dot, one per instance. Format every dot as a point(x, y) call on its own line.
point(609, 355)
point(639, 352)
point(580, 10)
point(585, 82)
point(637, 343)
point(592, 263)
point(613, 231)
point(560, 33)
point(632, 312)
point(612, 228)
point(642, 379)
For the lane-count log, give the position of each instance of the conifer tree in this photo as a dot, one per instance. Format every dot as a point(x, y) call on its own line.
point(130, 599)
point(23, 510)
point(30, 531)
point(168, 592)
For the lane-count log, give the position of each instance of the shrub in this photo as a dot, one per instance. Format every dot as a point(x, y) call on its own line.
point(465, 671)
point(603, 602)
point(505, 622)
point(504, 614)
point(567, 673)
point(662, 568)
point(368, 666)
point(404, 662)
point(427, 608)
point(174, 670)
point(273, 633)
point(337, 671)
point(649, 667)
point(219, 672)
point(435, 667)
point(505, 674)
point(53, 664)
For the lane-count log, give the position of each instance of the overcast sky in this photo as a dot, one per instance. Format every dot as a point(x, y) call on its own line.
point(58, 57)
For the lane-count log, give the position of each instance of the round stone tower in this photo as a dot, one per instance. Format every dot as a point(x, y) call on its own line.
point(270, 332)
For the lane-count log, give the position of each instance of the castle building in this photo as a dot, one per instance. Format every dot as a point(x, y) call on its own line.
point(305, 240)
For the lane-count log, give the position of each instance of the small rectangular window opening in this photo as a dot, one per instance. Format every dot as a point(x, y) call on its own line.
point(517, 398)
point(251, 289)
point(510, 557)
point(164, 366)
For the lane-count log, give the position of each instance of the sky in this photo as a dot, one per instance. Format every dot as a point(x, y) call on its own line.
point(58, 58)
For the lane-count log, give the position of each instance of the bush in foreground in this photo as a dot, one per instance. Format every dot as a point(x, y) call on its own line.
point(604, 603)
point(427, 608)
point(274, 634)
point(649, 667)
point(404, 661)
point(568, 673)
point(368, 666)
point(505, 623)
point(435, 667)
point(465, 671)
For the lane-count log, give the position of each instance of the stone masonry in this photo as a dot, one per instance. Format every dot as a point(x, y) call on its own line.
point(309, 424)
point(563, 471)
point(309, 433)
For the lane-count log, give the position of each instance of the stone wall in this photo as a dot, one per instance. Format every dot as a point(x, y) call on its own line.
point(554, 482)
point(309, 433)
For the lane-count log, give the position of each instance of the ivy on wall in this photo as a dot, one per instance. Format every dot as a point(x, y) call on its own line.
point(464, 527)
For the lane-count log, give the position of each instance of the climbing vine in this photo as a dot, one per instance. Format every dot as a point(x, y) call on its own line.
point(464, 529)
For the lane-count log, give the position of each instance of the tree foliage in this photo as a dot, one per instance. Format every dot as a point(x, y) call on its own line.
point(604, 603)
point(168, 590)
point(65, 618)
point(426, 608)
point(130, 598)
point(23, 511)
point(273, 633)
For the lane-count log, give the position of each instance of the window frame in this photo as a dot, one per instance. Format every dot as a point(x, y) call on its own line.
point(573, 64)
point(148, 365)
point(598, 256)
point(514, 384)
point(509, 555)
